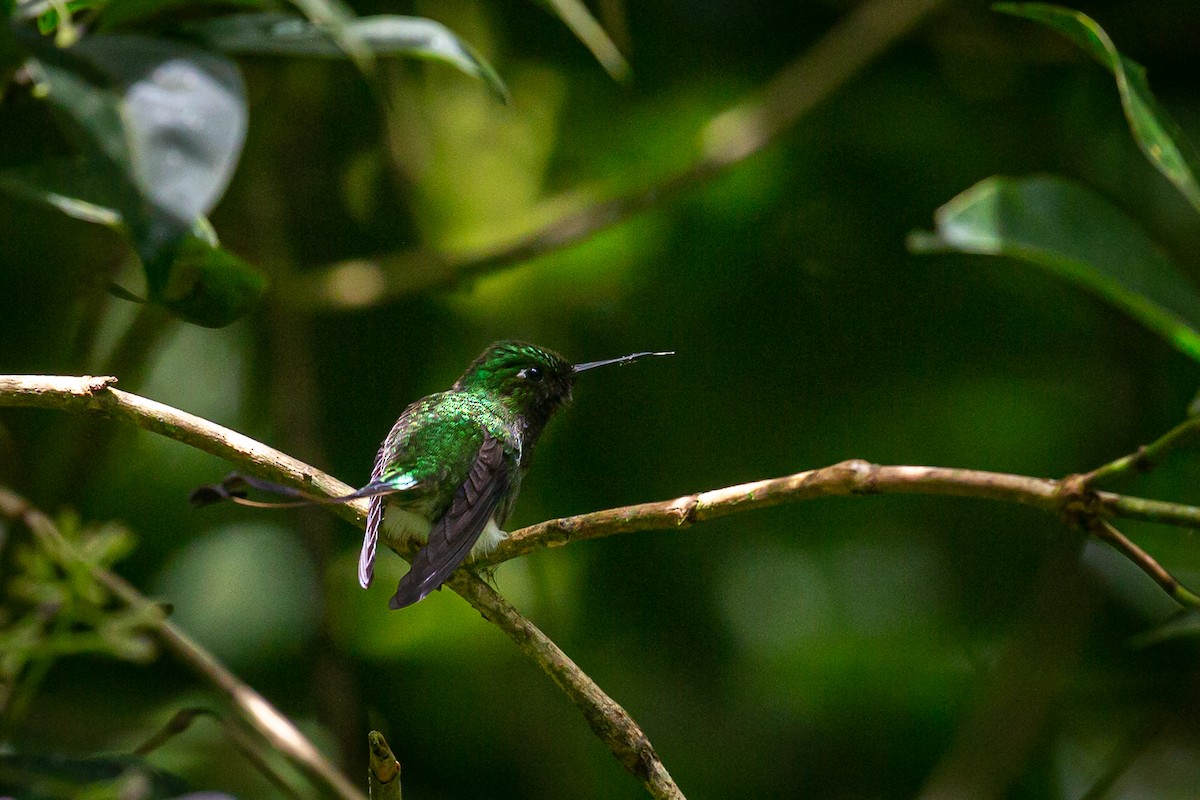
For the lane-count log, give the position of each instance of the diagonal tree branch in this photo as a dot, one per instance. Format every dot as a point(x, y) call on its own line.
point(1147, 457)
point(1104, 530)
point(254, 708)
point(608, 720)
point(744, 129)
point(1070, 498)
point(96, 395)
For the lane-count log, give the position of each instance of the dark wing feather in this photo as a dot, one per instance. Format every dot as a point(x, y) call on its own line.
point(455, 533)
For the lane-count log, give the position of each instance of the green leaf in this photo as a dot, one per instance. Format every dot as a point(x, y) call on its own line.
point(210, 286)
point(163, 125)
point(385, 35)
point(183, 120)
point(1077, 234)
point(334, 17)
point(1156, 133)
point(168, 120)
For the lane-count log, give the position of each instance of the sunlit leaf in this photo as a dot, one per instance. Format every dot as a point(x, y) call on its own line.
point(1077, 234)
point(385, 35)
point(183, 120)
point(1157, 134)
point(169, 119)
point(163, 126)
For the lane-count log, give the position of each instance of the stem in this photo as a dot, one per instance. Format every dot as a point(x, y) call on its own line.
point(1104, 531)
point(1149, 456)
point(97, 395)
point(608, 720)
point(254, 708)
point(383, 770)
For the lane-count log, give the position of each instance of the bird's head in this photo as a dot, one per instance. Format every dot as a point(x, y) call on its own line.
point(534, 381)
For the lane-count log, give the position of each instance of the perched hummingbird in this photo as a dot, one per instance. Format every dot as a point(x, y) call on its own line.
point(449, 471)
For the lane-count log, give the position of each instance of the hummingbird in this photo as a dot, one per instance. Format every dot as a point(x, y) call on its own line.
point(450, 469)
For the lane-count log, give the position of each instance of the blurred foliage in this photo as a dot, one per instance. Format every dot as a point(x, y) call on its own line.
point(836, 648)
point(53, 607)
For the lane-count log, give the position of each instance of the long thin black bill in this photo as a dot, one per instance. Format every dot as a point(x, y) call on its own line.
point(235, 487)
point(629, 359)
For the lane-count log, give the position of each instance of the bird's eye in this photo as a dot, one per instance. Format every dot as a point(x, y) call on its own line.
point(533, 374)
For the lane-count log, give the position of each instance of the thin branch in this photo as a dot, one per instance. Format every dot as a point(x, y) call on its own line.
point(854, 477)
point(1104, 530)
point(744, 129)
point(250, 748)
point(261, 715)
point(1147, 457)
point(1069, 498)
point(608, 720)
point(97, 395)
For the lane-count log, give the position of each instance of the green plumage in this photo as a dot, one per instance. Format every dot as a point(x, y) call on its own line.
point(450, 469)
point(449, 472)
point(435, 442)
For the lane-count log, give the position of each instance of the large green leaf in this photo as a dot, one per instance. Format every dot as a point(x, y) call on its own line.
point(1157, 134)
point(182, 115)
point(385, 35)
point(163, 125)
point(1073, 232)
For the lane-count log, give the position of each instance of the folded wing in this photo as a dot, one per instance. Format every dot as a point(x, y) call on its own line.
point(455, 533)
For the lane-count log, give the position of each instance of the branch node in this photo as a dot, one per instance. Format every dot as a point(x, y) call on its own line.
point(863, 474)
point(1141, 462)
point(93, 385)
point(1078, 504)
point(685, 511)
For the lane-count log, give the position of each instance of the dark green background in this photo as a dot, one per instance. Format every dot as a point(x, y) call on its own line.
point(837, 648)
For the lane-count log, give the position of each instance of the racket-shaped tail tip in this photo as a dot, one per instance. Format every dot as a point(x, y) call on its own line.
point(232, 487)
